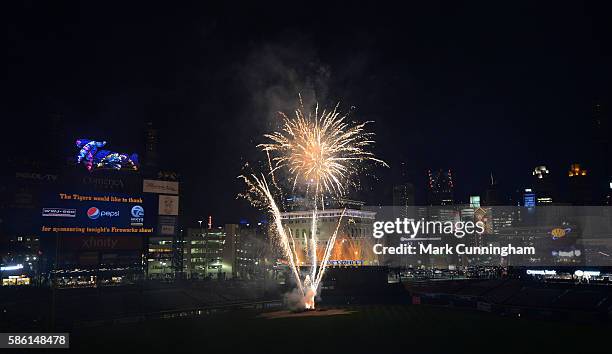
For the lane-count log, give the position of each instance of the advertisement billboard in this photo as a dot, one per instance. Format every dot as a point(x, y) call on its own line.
point(100, 243)
point(166, 225)
point(160, 187)
point(98, 214)
point(168, 205)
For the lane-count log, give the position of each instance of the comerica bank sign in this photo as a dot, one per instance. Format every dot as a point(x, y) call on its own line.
point(103, 183)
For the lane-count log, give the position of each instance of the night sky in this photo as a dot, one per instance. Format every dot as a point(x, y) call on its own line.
point(477, 88)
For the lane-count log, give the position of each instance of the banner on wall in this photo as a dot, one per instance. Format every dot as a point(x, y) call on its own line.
point(168, 205)
point(160, 187)
point(166, 225)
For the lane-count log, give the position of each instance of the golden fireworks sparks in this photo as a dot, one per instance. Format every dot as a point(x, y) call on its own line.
point(320, 149)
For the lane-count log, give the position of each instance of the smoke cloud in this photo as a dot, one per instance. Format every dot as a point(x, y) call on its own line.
point(295, 301)
point(276, 72)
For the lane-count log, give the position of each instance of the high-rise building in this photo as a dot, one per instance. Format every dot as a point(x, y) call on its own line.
point(252, 252)
point(529, 198)
point(540, 172)
point(576, 170)
point(601, 154)
point(151, 146)
point(542, 185)
point(230, 245)
point(492, 195)
point(440, 187)
point(474, 201)
point(231, 251)
point(203, 253)
point(403, 199)
point(57, 138)
point(580, 185)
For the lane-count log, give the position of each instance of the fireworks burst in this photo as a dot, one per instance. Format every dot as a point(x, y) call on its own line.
point(320, 150)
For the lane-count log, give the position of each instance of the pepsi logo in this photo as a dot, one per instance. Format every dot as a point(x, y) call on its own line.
point(93, 213)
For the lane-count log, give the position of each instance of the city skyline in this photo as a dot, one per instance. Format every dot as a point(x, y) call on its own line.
point(478, 102)
point(194, 177)
point(510, 192)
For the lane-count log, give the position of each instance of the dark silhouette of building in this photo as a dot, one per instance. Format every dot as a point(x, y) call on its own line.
point(57, 139)
point(440, 187)
point(403, 199)
point(492, 194)
point(601, 174)
point(543, 186)
point(150, 160)
point(580, 187)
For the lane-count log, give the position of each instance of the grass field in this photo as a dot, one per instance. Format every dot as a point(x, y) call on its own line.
point(369, 329)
